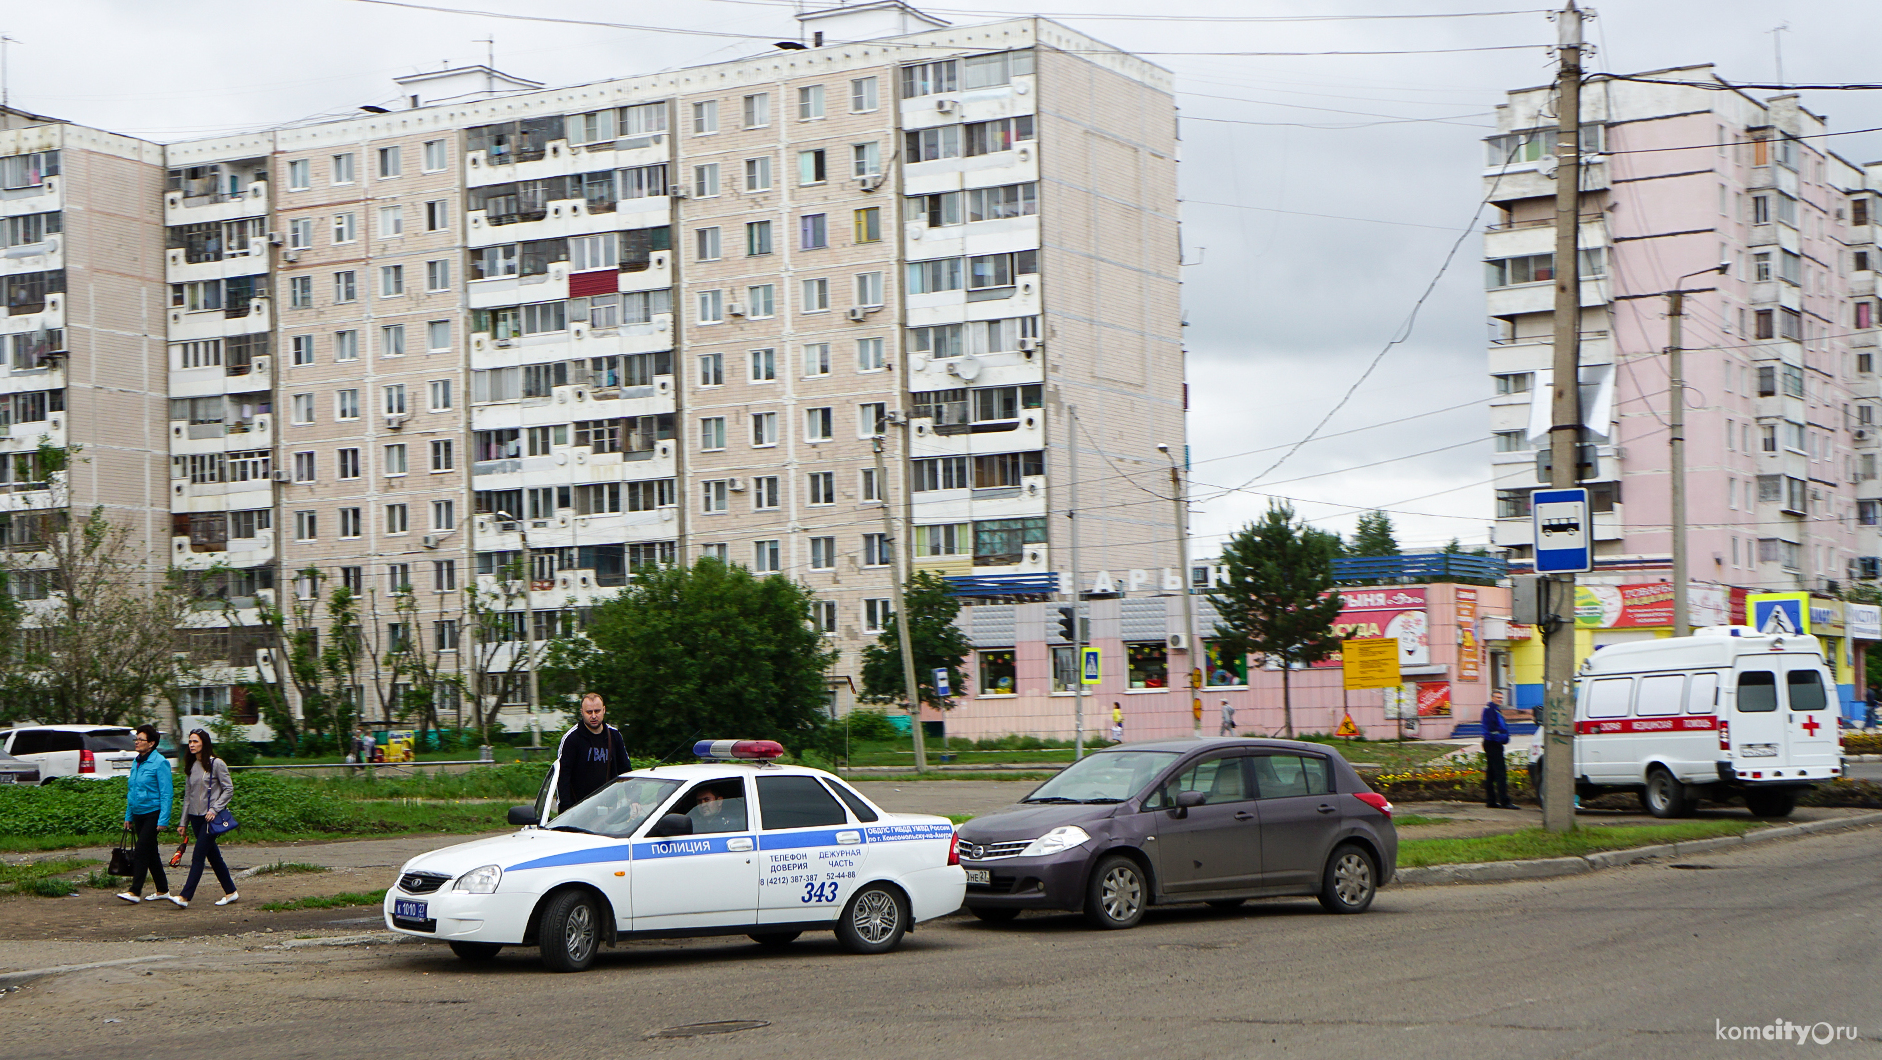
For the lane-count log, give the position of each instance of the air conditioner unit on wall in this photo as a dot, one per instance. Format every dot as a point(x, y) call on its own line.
point(733, 309)
point(1179, 641)
point(945, 106)
point(857, 314)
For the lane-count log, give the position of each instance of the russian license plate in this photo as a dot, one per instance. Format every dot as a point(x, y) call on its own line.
point(406, 909)
point(1758, 750)
point(121, 764)
point(979, 876)
point(9, 778)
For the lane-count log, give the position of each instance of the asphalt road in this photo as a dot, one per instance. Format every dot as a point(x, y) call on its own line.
point(1628, 963)
point(1864, 770)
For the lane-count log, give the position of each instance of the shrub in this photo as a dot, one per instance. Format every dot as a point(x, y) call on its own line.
point(1862, 743)
point(871, 725)
point(70, 806)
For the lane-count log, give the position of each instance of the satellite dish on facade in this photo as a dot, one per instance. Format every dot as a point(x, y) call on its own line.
point(1546, 166)
point(967, 368)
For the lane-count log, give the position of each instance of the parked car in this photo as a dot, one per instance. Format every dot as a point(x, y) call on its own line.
point(1217, 821)
point(17, 770)
point(94, 752)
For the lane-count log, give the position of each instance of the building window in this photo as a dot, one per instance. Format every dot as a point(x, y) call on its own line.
point(443, 455)
point(868, 225)
point(757, 110)
point(816, 296)
point(809, 102)
point(764, 366)
point(876, 612)
point(302, 347)
point(306, 526)
point(345, 287)
point(810, 167)
point(757, 238)
point(349, 522)
point(397, 519)
point(444, 515)
point(869, 289)
point(300, 292)
point(347, 463)
point(871, 486)
point(877, 551)
point(758, 174)
point(303, 408)
point(1514, 382)
point(862, 95)
point(821, 488)
point(819, 424)
point(1511, 441)
point(391, 162)
point(761, 301)
point(705, 117)
point(438, 275)
point(346, 405)
point(712, 369)
point(823, 553)
point(395, 459)
point(342, 169)
point(766, 557)
point(944, 539)
point(714, 497)
point(391, 280)
point(344, 230)
point(706, 181)
point(706, 244)
point(712, 307)
point(865, 159)
point(712, 434)
point(764, 429)
point(1149, 664)
point(399, 579)
point(869, 356)
point(765, 493)
point(813, 231)
point(391, 221)
point(300, 175)
point(998, 673)
point(444, 577)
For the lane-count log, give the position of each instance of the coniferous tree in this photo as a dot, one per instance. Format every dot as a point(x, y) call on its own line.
point(1278, 602)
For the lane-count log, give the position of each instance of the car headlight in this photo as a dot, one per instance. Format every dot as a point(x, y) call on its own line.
point(1064, 837)
point(479, 881)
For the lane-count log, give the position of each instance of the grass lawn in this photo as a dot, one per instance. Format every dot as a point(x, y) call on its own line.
point(1412, 820)
point(329, 901)
point(1536, 843)
point(43, 878)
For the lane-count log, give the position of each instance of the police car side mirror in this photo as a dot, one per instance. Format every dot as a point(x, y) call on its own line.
point(523, 815)
point(671, 825)
point(1186, 799)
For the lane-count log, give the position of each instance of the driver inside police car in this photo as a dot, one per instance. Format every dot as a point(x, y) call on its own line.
point(718, 807)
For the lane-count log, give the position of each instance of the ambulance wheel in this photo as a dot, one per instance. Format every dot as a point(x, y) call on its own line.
point(775, 939)
point(570, 932)
point(475, 951)
point(1771, 803)
point(1665, 796)
point(874, 921)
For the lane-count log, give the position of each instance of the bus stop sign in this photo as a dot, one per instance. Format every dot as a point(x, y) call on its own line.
point(1563, 538)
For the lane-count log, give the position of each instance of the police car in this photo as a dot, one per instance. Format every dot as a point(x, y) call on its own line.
point(735, 845)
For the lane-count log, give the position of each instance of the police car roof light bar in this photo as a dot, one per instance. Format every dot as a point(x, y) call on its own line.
point(760, 750)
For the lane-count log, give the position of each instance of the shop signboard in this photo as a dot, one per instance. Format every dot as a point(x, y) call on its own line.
point(1864, 621)
point(1371, 663)
point(1434, 699)
point(1469, 636)
point(1397, 612)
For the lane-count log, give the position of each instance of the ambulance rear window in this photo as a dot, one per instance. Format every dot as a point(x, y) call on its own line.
point(1806, 689)
point(1757, 692)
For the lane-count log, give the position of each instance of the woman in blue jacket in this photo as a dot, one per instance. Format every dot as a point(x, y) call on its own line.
point(147, 811)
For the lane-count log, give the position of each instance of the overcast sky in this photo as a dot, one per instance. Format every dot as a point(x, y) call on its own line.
point(1285, 309)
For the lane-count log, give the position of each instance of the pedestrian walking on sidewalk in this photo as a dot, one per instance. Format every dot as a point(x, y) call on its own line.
point(206, 793)
point(1869, 716)
point(1496, 733)
point(1228, 719)
point(146, 812)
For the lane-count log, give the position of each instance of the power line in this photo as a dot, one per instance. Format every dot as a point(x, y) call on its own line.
point(1355, 430)
point(1325, 216)
point(1337, 127)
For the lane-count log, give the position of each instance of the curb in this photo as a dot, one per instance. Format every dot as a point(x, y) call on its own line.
point(1862, 758)
point(377, 938)
point(1550, 868)
point(11, 979)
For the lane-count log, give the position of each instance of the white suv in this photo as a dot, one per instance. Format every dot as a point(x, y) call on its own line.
point(94, 752)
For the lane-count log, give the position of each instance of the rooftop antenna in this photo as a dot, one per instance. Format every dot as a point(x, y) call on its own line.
point(1777, 46)
point(6, 97)
point(490, 51)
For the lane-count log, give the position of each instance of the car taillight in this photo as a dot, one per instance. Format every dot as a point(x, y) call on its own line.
point(954, 848)
point(87, 763)
point(1375, 800)
point(1725, 735)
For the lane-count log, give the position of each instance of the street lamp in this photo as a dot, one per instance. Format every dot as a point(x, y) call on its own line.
point(1676, 435)
point(1180, 494)
point(529, 628)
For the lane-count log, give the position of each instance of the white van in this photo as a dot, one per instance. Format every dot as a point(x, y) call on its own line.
point(1726, 712)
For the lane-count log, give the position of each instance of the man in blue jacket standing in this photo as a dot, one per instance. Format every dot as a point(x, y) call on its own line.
point(146, 812)
point(1496, 733)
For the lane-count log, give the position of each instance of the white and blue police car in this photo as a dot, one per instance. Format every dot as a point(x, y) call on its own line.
point(735, 845)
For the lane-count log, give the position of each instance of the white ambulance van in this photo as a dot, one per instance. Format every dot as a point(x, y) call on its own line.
point(1726, 712)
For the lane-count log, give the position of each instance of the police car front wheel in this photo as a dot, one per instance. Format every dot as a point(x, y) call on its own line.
point(874, 921)
point(570, 932)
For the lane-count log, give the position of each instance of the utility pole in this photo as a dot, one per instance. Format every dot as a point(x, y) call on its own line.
point(905, 633)
point(1558, 760)
point(1676, 435)
point(529, 629)
point(1078, 623)
point(1181, 496)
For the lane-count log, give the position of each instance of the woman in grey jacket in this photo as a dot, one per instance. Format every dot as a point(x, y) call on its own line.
point(206, 792)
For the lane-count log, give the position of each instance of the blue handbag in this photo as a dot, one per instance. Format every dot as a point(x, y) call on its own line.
point(223, 821)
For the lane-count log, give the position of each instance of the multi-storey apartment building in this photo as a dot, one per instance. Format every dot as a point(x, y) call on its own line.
point(1682, 175)
point(520, 342)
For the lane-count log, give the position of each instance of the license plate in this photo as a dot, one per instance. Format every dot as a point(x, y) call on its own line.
point(1758, 750)
point(405, 909)
point(9, 778)
point(120, 764)
point(979, 875)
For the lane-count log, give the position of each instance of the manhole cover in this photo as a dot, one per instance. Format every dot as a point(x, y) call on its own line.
point(695, 1030)
point(1696, 867)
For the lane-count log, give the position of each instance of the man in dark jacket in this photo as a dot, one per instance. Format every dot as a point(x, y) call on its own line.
point(592, 753)
point(1496, 733)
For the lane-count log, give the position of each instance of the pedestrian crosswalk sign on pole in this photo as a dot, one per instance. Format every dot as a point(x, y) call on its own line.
point(1090, 672)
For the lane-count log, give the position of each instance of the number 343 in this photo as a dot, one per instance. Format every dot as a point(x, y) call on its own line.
point(820, 892)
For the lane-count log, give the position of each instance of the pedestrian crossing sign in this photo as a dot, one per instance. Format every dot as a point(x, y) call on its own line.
point(1779, 612)
point(1090, 672)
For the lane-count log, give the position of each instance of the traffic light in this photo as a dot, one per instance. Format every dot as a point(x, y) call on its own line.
point(1068, 624)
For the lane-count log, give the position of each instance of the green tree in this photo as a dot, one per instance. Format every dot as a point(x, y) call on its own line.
point(1373, 536)
point(707, 652)
point(937, 642)
point(1277, 601)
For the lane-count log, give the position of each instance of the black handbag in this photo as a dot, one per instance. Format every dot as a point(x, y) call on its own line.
point(122, 856)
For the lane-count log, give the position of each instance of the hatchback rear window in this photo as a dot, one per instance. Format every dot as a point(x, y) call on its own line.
point(1806, 689)
point(110, 740)
point(1757, 692)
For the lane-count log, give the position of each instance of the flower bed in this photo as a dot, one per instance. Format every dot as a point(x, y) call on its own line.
point(1862, 743)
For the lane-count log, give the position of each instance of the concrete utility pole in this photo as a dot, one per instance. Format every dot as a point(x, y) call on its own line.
point(1181, 496)
point(1676, 440)
point(529, 630)
point(1558, 760)
point(1078, 623)
point(904, 632)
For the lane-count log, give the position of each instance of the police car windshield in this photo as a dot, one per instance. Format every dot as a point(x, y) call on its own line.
point(1108, 776)
point(618, 808)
